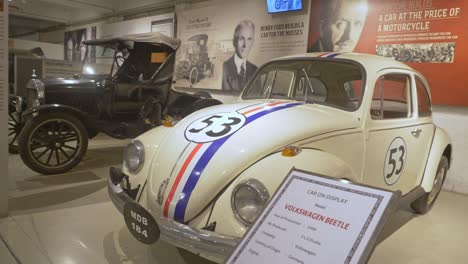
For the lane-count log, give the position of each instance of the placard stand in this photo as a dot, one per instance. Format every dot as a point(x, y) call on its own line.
point(316, 219)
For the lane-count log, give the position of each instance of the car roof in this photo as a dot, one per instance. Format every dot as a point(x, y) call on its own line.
point(129, 40)
point(367, 60)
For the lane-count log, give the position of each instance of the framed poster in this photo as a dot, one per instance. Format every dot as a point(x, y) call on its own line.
point(426, 35)
point(316, 219)
point(164, 26)
point(224, 42)
point(74, 50)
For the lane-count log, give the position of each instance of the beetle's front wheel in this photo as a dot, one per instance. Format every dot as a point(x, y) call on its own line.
point(53, 143)
point(423, 204)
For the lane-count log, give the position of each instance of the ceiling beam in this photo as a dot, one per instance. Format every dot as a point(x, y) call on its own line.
point(43, 12)
point(100, 5)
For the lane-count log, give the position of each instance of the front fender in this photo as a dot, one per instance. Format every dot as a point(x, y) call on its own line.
point(271, 171)
point(151, 141)
point(44, 109)
point(51, 107)
point(441, 145)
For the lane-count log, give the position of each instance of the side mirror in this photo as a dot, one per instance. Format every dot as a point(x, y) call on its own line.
point(75, 76)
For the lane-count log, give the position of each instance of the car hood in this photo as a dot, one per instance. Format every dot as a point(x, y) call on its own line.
point(69, 83)
point(185, 175)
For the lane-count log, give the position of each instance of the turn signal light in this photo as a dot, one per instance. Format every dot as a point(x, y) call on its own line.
point(290, 151)
point(168, 122)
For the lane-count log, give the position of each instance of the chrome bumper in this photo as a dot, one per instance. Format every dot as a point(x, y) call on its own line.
point(209, 244)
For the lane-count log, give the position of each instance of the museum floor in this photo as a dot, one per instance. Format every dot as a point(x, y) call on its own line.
point(68, 219)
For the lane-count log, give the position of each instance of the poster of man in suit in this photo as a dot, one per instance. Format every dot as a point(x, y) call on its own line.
point(237, 70)
point(224, 42)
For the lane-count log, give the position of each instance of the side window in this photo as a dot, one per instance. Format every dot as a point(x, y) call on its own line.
point(424, 102)
point(391, 98)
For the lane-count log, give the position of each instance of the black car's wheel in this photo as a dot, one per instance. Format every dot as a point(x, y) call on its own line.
point(53, 143)
point(423, 204)
point(193, 76)
point(14, 128)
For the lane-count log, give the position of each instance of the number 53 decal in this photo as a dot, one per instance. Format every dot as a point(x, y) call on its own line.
point(395, 161)
point(213, 127)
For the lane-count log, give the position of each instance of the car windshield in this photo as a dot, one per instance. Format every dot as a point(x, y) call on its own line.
point(331, 83)
point(99, 61)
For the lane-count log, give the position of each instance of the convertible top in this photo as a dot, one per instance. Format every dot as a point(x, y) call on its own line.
point(128, 41)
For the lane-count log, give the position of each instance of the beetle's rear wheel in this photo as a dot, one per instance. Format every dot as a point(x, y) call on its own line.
point(53, 143)
point(423, 204)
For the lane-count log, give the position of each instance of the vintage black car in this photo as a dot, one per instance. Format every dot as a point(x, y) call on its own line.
point(123, 95)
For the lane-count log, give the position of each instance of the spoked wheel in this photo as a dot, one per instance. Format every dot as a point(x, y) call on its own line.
point(193, 76)
point(14, 128)
point(53, 143)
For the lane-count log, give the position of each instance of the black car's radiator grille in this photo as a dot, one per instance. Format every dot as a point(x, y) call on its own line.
point(84, 102)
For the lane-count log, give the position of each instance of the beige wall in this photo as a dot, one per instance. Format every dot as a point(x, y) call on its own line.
point(51, 51)
point(3, 109)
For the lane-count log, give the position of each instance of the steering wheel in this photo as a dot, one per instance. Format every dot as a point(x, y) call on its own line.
point(119, 61)
point(129, 71)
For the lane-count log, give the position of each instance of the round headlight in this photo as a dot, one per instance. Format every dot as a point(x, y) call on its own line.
point(248, 200)
point(134, 156)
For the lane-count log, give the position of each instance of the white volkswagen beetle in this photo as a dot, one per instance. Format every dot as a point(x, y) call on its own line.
point(201, 183)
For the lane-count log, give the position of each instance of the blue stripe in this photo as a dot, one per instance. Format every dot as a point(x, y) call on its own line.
point(333, 55)
point(260, 114)
point(197, 171)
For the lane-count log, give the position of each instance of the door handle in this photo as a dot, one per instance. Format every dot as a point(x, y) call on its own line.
point(416, 132)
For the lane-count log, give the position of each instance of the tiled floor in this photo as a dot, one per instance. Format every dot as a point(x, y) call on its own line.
point(68, 219)
point(5, 256)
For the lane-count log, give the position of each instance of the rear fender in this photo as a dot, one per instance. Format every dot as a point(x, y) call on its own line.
point(44, 109)
point(271, 171)
point(441, 145)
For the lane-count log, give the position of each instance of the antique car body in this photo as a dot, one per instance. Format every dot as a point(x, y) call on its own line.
point(123, 95)
point(206, 179)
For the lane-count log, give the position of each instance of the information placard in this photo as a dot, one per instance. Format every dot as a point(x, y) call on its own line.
point(316, 219)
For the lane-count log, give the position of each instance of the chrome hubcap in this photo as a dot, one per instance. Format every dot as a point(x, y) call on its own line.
point(439, 180)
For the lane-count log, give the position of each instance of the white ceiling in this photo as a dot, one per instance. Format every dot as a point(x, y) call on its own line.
point(28, 16)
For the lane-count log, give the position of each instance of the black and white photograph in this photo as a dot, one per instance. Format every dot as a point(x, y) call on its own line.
point(195, 64)
point(237, 70)
point(73, 49)
point(225, 42)
point(420, 52)
point(341, 24)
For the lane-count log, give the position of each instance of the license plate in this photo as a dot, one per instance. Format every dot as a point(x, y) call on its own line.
point(141, 223)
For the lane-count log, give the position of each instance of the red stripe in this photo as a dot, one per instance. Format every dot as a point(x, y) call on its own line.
point(325, 54)
point(255, 109)
point(179, 176)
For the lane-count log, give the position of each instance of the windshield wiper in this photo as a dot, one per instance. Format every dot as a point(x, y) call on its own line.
point(310, 85)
